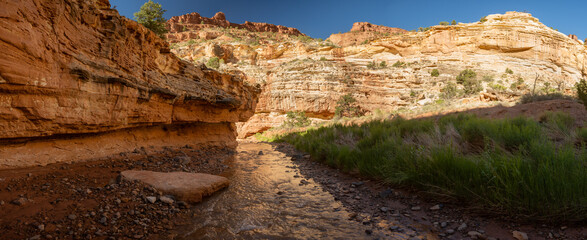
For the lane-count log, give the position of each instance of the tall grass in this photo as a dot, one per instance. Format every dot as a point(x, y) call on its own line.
point(512, 166)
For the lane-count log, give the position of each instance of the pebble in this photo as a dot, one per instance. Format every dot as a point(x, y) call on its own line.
point(386, 193)
point(384, 209)
point(182, 204)
point(462, 227)
point(416, 208)
point(1, 203)
point(435, 207)
point(41, 227)
point(72, 216)
point(443, 224)
point(151, 199)
point(260, 153)
point(520, 235)
point(450, 231)
point(19, 201)
point(368, 231)
point(36, 237)
point(356, 184)
point(104, 221)
point(475, 235)
point(100, 232)
point(166, 199)
point(394, 228)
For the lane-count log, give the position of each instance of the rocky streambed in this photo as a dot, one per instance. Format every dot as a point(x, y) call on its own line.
point(275, 192)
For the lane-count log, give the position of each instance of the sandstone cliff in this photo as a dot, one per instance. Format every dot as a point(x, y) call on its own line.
point(182, 27)
point(363, 32)
point(78, 81)
point(311, 75)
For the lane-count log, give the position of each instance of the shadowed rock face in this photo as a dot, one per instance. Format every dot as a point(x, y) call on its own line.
point(71, 68)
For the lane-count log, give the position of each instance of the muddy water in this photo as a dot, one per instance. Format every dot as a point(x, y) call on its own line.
point(267, 199)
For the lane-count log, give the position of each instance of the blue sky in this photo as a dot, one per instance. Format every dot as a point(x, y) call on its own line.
point(319, 19)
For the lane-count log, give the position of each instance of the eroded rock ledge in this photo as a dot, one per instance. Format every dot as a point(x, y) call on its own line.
point(181, 27)
point(80, 81)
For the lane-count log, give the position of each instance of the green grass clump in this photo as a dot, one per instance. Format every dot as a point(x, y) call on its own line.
point(512, 166)
point(528, 98)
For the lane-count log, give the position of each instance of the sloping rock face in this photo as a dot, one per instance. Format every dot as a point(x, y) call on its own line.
point(75, 74)
point(181, 27)
point(363, 32)
point(311, 76)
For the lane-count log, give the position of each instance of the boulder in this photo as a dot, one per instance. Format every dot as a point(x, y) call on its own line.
point(185, 186)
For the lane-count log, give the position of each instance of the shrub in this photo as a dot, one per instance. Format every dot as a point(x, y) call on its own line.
point(514, 86)
point(213, 62)
point(453, 22)
point(434, 73)
point(483, 19)
point(323, 59)
point(365, 42)
point(497, 87)
point(423, 29)
point(151, 16)
point(449, 91)
point(582, 134)
point(191, 42)
point(509, 71)
point(581, 88)
point(472, 86)
point(468, 78)
point(488, 78)
point(466, 75)
point(374, 65)
point(443, 23)
point(346, 107)
point(399, 64)
point(296, 119)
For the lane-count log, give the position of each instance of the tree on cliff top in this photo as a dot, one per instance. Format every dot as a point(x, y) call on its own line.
point(151, 16)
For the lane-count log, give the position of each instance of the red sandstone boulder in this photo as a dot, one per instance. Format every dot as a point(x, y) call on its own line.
point(189, 187)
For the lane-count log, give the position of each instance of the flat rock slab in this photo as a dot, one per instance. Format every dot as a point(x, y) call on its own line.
point(185, 186)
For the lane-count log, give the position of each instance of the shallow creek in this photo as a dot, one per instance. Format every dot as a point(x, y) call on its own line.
point(268, 198)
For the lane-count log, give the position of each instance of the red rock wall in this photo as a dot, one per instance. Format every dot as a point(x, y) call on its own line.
point(70, 68)
point(193, 21)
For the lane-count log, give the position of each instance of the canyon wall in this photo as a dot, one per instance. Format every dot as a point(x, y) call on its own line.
point(181, 27)
point(78, 81)
point(512, 54)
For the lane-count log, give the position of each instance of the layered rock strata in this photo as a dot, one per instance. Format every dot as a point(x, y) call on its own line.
point(512, 54)
point(182, 27)
point(79, 81)
point(362, 33)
